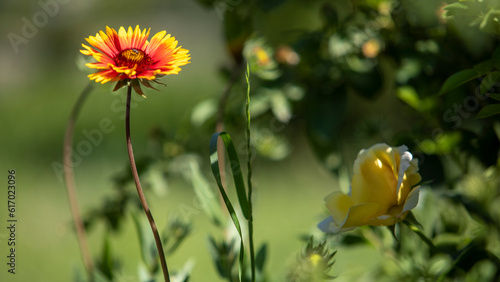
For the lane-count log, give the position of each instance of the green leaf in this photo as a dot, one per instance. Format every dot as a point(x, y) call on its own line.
point(261, 257)
point(208, 200)
point(496, 127)
point(489, 110)
point(203, 111)
point(238, 182)
point(490, 81)
point(106, 263)
point(392, 229)
point(456, 5)
point(495, 96)
point(484, 67)
point(408, 95)
point(458, 79)
point(496, 58)
point(147, 244)
point(281, 107)
point(235, 167)
point(410, 218)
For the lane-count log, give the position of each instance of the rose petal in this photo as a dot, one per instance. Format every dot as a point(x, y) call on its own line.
point(404, 164)
point(360, 215)
point(338, 204)
point(375, 177)
point(412, 199)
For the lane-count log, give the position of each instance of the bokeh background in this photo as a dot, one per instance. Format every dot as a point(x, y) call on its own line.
point(339, 103)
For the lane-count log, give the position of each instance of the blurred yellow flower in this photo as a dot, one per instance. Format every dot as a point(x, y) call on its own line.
point(127, 55)
point(383, 190)
point(371, 48)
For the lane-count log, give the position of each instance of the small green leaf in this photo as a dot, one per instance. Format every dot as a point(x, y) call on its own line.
point(495, 96)
point(261, 257)
point(106, 264)
point(496, 127)
point(408, 95)
point(484, 67)
point(281, 107)
point(489, 81)
point(458, 79)
point(203, 111)
point(410, 218)
point(392, 229)
point(147, 244)
point(496, 58)
point(456, 5)
point(489, 110)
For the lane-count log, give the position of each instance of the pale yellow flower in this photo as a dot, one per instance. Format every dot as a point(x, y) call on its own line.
point(383, 190)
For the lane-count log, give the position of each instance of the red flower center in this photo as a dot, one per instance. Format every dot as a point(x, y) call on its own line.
point(132, 57)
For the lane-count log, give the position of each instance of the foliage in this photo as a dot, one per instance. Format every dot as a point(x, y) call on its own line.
point(349, 75)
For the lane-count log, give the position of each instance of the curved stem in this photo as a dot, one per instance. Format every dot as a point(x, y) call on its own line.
point(69, 178)
point(142, 198)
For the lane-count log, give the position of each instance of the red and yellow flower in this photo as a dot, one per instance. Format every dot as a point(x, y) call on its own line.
point(128, 56)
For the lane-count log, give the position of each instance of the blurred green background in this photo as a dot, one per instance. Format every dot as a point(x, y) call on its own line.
point(353, 100)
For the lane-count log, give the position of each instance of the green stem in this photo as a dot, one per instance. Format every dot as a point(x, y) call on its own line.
point(69, 178)
point(142, 198)
point(249, 179)
point(422, 236)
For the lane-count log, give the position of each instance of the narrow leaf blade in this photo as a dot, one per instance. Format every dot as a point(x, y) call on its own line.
point(458, 79)
point(488, 111)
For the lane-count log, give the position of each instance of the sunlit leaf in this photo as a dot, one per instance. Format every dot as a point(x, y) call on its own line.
point(203, 111)
point(280, 106)
point(409, 96)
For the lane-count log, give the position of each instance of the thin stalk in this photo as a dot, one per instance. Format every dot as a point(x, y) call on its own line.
point(422, 236)
point(69, 178)
point(249, 180)
point(133, 167)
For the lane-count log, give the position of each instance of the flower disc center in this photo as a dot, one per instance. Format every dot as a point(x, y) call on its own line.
point(131, 57)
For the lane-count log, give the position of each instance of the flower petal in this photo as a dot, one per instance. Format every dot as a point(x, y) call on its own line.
point(404, 164)
point(338, 204)
point(375, 176)
point(412, 199)
point(360, 215)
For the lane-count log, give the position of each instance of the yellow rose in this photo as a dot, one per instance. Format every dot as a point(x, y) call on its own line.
point(382, 190)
